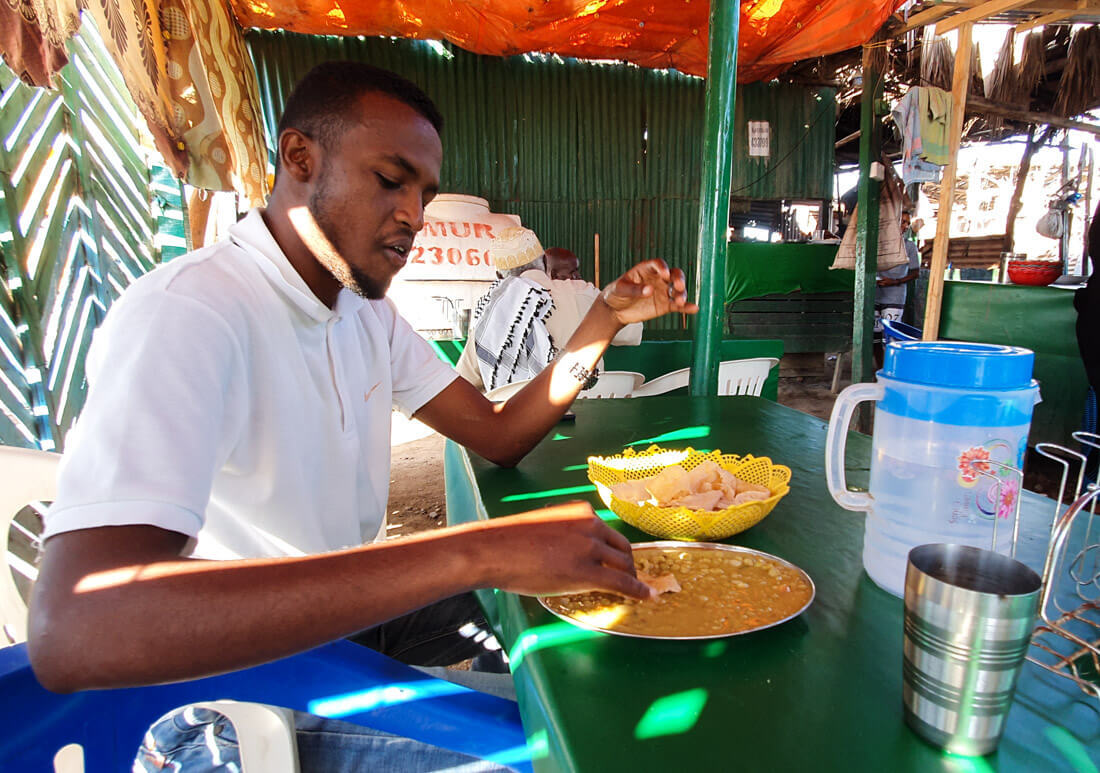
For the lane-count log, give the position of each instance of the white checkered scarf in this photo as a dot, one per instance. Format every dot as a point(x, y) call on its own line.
point(510, 336)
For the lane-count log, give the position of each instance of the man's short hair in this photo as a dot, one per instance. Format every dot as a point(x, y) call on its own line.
point(321, 103)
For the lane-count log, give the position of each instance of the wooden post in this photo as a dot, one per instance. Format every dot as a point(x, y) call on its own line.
point(199, 212)
point(596, 262)
point(959, 83)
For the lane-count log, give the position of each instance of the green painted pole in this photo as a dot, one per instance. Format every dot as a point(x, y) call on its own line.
point(870, 148)
point(714, 198)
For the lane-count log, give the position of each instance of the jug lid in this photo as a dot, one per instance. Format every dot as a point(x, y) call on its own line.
point(957, 364)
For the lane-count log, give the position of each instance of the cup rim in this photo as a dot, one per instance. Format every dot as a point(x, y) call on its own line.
point(939, 561)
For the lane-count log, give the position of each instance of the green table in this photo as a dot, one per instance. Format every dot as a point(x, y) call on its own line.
point(821, 692)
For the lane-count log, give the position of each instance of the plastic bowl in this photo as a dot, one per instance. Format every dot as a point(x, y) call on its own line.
point(1033, 272)
point(679, 522)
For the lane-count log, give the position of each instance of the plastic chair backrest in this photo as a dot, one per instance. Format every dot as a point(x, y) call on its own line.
point(265, 735)
point(665, 383)
point(502, 393)
point(614, 383)
point(26, 475)
point(744, 377)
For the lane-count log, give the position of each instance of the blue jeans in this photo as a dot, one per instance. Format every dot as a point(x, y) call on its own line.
point(204, 741)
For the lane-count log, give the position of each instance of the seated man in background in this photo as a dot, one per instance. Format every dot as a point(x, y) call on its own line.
point(222, 496)
point(519, 325)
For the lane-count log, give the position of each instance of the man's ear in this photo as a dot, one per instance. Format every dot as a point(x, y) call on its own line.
point(299, 156)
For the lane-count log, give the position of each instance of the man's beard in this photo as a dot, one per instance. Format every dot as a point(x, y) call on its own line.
point(346, 274)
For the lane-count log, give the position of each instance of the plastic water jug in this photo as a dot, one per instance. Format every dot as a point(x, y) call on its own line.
point(945, 414)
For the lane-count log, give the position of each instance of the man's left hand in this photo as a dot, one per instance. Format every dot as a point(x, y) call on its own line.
point(647, 291)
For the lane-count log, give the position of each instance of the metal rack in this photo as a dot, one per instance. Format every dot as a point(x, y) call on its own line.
point(1066, 640)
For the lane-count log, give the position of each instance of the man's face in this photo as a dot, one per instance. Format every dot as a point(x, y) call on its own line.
point(905, 218)
point(562, 264)
point(369, 196)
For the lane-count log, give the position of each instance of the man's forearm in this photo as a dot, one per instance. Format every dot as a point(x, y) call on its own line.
point(506, 432)
point(143, 622)
point(115, 606)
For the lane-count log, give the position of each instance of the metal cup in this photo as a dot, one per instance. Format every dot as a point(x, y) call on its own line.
point(969, 615)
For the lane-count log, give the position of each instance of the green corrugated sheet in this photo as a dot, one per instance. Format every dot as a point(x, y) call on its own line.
point(578, 148)
point(66, 255)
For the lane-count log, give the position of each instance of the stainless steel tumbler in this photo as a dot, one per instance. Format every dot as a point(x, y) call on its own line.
point(969, 614)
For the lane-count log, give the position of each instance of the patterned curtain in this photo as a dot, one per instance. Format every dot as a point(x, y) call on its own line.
point(185, 65)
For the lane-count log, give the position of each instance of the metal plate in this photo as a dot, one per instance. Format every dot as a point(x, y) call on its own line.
point(698, 546)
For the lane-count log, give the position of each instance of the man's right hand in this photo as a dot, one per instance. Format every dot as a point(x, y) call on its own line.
point(561, 549)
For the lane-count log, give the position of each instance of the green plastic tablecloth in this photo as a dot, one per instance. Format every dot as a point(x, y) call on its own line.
point(819, 693)
point(757, 269)
point(1038, 318)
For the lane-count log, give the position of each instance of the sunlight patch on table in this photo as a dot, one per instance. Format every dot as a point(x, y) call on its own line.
point(672, 714)
point(715, 649)
point(686, 433)
point(538, 744)
point(553, 492)
point(1073, 750)
point(546, 636)
point(958, 763)
point(607, 515)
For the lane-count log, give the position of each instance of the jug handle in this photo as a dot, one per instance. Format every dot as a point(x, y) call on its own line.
point(836, 442)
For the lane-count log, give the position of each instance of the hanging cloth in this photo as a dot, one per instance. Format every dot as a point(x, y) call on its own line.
point(907, 117)
point(935, 121)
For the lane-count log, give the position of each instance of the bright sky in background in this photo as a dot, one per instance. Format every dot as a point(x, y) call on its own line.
point(1043, 181)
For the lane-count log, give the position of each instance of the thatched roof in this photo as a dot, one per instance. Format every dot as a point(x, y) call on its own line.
point(1058, 73)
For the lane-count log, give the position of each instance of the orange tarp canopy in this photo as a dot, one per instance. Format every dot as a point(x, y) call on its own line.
point(650, 33)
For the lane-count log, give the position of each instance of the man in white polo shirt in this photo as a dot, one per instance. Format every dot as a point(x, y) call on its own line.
point(239, 410)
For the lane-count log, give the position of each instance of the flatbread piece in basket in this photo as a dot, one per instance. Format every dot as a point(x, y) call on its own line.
point(671, 493)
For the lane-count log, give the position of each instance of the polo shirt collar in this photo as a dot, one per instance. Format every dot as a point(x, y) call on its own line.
point(250, 233)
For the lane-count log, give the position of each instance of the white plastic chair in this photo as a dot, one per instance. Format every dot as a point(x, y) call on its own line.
point(614, 383)
point(666, 383)
point(265, 738)
point(744, 377)
point(265, 735)
point(502, 393)
point(26, 475)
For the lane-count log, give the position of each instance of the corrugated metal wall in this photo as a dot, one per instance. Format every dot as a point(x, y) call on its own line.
point(574, 148)
point(803, 133)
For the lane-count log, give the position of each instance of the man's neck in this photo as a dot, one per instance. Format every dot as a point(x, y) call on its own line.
point(319, 280)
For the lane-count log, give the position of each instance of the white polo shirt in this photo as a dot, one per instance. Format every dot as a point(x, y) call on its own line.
point(227, 403)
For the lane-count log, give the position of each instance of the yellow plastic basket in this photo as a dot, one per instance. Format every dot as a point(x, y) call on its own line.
point(680, 522)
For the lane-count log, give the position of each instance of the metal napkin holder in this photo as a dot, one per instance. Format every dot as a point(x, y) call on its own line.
point(1066, 640)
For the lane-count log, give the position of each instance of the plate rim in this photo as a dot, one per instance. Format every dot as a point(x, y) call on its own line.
point(678, 545)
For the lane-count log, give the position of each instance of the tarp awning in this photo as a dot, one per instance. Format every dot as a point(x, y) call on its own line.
point(670, 34)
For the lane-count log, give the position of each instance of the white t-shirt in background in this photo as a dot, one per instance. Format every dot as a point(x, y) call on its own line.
point(227, 403)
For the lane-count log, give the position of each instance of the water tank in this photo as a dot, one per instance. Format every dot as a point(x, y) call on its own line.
point(448, 268)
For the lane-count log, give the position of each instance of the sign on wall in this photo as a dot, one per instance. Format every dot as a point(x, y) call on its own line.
point(760, 138)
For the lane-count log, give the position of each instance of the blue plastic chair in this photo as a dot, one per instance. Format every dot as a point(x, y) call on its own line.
point(899, 331)
point(340, 680)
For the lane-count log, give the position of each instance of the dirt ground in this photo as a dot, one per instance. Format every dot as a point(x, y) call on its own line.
point(417, 501)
